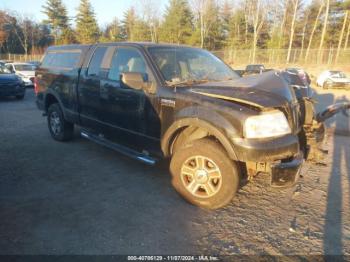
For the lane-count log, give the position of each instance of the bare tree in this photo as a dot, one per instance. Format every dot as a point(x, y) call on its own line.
point(203, 9)
point(313, 31)
point(283, 24)
point(341, 36)
point(22, 27)
point(247, 14)
point(258, 19)
point(303, 38)
point(292, 28)
point(324, 30)
point(348, 32)
point(150, 11)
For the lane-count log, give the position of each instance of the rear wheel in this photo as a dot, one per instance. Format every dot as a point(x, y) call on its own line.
point(60, 129)
point(203, 174)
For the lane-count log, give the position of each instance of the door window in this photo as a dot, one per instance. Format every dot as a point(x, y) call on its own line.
point(127, 60)
point(96, 61)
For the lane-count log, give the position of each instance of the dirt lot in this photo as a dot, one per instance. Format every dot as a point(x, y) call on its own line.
point(81, 198)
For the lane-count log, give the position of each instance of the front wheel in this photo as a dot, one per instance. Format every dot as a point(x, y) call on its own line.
point(60, 129)
point(204, 175)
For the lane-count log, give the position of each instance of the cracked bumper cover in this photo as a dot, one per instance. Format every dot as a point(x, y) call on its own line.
point(266, 150)
point(282, 156)
point(285, 174)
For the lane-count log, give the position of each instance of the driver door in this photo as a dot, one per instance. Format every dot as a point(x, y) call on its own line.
point(123, 107)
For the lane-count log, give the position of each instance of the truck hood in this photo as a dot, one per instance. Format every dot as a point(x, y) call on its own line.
point(265, 90)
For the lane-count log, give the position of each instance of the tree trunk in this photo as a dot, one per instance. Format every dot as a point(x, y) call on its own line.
point(347, 34)
point(257, 27)
point(202, 28)
point(282, 26)
point(313, 32)
point(324, 31)
point(296, 2)
point(341, 37)
point(303, 37)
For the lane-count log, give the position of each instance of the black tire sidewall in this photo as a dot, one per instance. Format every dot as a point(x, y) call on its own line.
point(229, 172)
point(62, 136)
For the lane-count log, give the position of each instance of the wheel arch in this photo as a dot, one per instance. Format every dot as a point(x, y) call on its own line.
point(50, 98)
point(198, 128)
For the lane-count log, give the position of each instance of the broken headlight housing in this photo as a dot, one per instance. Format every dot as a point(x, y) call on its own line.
point(269, 124)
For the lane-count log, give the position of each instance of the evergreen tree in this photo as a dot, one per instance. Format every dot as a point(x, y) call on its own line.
point(177, 26)
point(112, 32)
point(87, 28)
point(57, 18)
point(128, 24)
point(134, 28)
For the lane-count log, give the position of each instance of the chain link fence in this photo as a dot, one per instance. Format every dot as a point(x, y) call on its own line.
point(279, 56)
point(245, 56)
point(20, 57)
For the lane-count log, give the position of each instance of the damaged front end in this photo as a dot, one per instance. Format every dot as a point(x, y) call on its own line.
point(285, 172)
point(314, 127)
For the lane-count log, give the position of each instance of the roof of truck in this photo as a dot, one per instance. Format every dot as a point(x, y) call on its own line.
point(141, 44)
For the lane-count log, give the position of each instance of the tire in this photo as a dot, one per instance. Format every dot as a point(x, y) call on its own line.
point(191, 166)
point(20, 97)
point(60, 129)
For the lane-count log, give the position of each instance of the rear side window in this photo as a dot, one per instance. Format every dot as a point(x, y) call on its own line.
point(96, 61)
point(62, 59)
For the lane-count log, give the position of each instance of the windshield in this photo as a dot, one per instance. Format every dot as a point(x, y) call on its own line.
point(4, 70)
point(24, 67)
point(189, 65)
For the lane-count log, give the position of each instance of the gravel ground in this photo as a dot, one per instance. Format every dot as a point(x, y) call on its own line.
point(81, 198)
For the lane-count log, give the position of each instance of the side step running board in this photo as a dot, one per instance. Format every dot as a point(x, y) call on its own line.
point(119, 148)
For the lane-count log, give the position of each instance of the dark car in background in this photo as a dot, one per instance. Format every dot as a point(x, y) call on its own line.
point(253, 69)
point(10, 84)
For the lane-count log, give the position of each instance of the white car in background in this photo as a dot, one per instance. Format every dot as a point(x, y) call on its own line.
point(24, 70)
point(333, 79)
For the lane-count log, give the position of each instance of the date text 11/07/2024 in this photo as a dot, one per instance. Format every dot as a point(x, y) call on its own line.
point(173, 258)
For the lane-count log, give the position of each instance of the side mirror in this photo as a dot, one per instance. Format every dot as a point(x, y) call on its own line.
point(133, 80)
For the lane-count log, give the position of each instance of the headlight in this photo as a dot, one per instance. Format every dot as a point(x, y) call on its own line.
point(265, 125)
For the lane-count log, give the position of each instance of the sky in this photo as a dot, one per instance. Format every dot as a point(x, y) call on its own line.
point(105, 10)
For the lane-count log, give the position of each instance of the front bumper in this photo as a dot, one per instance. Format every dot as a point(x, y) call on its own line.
point(266, 150)
point(286, 173)
point(12, 91)
point(28, 81)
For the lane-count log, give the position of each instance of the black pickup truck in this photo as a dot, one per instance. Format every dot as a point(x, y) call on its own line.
point(153, 101)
